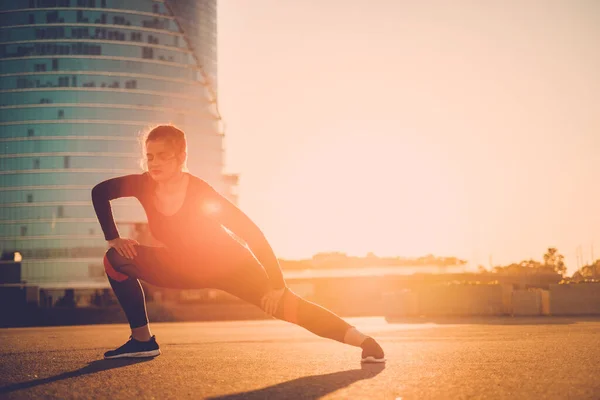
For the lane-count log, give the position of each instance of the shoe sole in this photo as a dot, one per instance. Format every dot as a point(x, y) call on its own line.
point(372, 359)
point(141, 354)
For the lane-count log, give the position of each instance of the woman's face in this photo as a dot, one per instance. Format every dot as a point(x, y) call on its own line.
point(163, 164)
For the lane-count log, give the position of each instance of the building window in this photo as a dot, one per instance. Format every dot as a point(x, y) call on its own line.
point(60, 211)
point(54, 64)
point(52, 17)
point(61, 114)
point(147, 52)
point(30, 132)
point(23, 230)
point(36, 163)
point(30, 198)
point(31, 19)
point(66, 161)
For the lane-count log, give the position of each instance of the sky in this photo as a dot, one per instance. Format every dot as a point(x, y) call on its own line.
point(406, 128)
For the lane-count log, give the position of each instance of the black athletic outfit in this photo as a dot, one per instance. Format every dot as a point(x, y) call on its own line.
point(199, 253)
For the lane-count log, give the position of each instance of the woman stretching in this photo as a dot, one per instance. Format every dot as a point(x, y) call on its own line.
point(200, 231)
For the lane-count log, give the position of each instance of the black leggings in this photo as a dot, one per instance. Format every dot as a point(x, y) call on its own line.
point(240, 274)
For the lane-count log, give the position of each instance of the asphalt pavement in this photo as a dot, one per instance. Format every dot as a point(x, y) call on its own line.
point(470, 358)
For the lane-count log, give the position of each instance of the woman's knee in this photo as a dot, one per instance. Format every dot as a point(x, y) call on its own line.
point(113, 262)
point(287, 309)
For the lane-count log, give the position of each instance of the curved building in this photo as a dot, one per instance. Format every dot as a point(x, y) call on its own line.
point(79, 80)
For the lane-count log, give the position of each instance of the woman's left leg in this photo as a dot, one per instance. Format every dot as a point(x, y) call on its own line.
point(249, 281)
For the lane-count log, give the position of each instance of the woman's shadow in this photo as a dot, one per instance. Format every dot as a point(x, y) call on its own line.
point(91, 368)
point(309, 387)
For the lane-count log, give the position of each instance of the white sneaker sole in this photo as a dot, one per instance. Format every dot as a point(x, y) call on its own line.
point(151, 353)
point(372, 359)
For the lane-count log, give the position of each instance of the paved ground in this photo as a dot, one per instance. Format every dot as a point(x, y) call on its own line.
point(445, 359)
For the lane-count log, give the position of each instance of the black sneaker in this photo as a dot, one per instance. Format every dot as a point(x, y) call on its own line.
point(372, 351)
point(135, 348)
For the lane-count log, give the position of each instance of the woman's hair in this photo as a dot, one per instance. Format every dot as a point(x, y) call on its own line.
point(173, 137)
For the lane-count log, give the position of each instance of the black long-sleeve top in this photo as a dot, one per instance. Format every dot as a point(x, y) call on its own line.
point(196, 229)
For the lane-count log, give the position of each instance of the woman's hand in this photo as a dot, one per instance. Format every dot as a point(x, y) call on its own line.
point(124, 247)
point(270, 301)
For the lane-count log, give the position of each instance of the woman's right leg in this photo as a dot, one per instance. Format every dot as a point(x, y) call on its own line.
point(155, 265)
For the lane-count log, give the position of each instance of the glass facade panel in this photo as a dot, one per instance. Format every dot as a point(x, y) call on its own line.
point(117, 147)
point(79, 81)
point(126, 97)
point(121, 210)
point(51, 177)
point(67, 270)
point(109, 19)
point(128, 34)
point(94, 48)
point(66, 63)
point(75, 162)
point(133, 112)
point(89, 81)
point(198, 18)
point(154, 7)
point(50, 228)
point(44, 195)
point(105, 129)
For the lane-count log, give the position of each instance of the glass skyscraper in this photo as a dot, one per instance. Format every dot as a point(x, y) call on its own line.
point(79, 81)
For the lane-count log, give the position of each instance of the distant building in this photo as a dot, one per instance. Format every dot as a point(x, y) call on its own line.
point(79, 80)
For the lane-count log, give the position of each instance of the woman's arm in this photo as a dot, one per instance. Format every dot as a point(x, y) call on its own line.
point(231, 217)
point(114, 188)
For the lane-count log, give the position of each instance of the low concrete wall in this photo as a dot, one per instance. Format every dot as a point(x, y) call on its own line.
point(526, 302)
point(575, 299)
point(465, 300)
point(462, 300)
point(507, 294)
point(404, 303)
point(545, 302)
point(451, 300)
